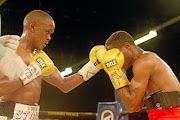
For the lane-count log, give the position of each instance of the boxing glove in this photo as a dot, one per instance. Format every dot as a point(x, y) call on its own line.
point(112, 62)
point(39, 65)
point(93, 66)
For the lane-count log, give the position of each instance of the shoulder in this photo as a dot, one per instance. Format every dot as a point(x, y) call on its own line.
point(145, 62)
point(40, 51)
point(146, 58)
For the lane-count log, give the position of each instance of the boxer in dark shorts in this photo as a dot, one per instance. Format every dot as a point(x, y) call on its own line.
point(150, 74)
point(163, 105)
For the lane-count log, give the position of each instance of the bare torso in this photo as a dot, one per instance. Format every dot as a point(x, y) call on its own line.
point(162, 76)
point(150, 73)
point(29, 93)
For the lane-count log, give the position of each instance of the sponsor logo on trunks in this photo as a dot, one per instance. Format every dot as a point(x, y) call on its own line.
point(158, 105)
point(107, 115)
point(111, 63)
point(41, 62)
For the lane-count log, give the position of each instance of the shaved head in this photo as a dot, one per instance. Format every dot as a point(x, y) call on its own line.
point(36, 16)
point(38, 27)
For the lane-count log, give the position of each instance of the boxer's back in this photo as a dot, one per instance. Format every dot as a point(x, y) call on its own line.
point(162, 76)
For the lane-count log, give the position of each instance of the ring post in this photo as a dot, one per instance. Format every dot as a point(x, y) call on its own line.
point(108, 111)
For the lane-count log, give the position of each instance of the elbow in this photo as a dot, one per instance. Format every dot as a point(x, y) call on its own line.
point(64, 89)
point(133, 107)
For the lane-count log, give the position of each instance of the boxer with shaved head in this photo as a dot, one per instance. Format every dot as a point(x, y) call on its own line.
point(23, 93)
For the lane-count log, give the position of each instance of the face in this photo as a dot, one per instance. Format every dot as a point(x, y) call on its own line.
point(42, 34)
point(126, 50)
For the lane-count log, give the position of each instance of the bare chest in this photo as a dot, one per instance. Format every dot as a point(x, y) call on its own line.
point(25, 55)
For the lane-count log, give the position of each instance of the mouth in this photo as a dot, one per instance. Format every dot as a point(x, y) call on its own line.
point(45, 43)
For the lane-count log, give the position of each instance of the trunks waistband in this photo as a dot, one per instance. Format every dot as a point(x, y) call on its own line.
point(18, 102)
point(162, 100)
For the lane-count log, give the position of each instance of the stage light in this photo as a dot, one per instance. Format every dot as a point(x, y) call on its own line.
point(151, 35)
point(67, 71)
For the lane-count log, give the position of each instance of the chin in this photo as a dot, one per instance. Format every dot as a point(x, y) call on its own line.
point(40, 48)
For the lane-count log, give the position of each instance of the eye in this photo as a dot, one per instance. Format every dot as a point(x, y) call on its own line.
point(48, 32)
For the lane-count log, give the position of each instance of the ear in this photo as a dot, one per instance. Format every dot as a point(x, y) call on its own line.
point(32, 27)
point(127, 45)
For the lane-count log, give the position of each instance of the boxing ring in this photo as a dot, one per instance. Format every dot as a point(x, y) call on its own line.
point(105, 111)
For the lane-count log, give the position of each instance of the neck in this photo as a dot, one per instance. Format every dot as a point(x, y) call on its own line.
point(26, 43)
point(137, 52)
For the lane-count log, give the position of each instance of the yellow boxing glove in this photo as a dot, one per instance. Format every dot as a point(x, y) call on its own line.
point(39, 65)
point(112, 62)
point(94, 53)
point(44, 63)
point(93, 66)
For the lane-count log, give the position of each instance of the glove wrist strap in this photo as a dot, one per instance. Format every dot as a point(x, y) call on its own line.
point(88, 71)
point(31, 72)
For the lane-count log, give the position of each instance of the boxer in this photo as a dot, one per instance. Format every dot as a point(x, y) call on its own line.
point(22, 94)
point(150, 74)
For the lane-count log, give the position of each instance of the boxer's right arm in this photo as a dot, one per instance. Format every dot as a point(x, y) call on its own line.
point(39, 65)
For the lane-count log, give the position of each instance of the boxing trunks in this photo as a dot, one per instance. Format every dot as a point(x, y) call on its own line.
point(163, 105)
point(17, 111)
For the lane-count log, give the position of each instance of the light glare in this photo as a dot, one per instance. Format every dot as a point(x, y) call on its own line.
point(67, 71)
point(151, 35)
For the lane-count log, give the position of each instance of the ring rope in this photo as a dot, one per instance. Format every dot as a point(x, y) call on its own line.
point(58, 114)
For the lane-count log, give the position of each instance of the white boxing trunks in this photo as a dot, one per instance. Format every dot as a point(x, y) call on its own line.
point(17, 111)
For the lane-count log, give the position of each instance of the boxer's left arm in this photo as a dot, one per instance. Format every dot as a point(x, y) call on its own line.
point(132, 95)
point(65, 84)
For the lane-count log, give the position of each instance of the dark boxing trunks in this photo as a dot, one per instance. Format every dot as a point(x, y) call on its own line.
point(164, 114)
point(163, 105)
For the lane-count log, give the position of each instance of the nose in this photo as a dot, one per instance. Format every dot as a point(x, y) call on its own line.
point(49, 37)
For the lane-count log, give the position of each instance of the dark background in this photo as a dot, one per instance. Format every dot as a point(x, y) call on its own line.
point(82, 24)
